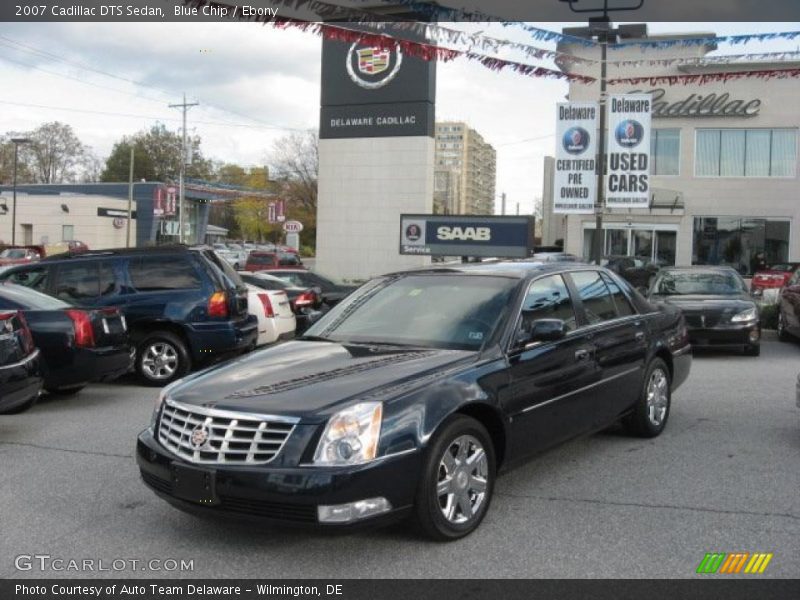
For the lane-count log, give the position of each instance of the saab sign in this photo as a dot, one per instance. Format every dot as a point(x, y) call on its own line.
point(448, 235)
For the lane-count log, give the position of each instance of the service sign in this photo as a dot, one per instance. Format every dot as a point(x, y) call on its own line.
point(478, 235)
point(628, 174)
point(575, 180)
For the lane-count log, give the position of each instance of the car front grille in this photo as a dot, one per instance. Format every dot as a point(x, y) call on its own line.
point(211, 436)
point(703, 321)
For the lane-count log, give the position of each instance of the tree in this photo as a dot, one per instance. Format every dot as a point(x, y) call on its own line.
point(24, 174)
point(54, 153)
point(251, 213)
point(157, 157)
point(295, 164)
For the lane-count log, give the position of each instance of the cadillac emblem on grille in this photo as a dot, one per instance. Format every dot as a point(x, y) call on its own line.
point(199, 436)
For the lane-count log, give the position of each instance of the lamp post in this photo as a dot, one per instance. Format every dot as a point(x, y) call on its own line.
point(601, 28)
point(16, 142)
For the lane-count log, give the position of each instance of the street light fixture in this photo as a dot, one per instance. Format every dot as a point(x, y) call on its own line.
point(16, 142)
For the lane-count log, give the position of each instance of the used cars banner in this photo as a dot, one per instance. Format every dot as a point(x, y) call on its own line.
point(575, 182)
point(628, 179)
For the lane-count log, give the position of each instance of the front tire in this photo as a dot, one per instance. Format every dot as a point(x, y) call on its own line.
point(457, 482)
point(161, 358)
point(651, 412)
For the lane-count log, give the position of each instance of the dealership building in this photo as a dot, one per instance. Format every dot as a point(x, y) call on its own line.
point(96, 213)
point(723, 166)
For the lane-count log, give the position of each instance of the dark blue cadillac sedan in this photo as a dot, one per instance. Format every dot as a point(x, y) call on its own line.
point(408, 397)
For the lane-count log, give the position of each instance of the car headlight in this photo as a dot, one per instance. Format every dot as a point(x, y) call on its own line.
point(351, 436)
point(751, 314)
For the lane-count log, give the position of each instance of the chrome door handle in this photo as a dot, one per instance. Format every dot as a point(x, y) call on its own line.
point(581, 354)
point(639, 336)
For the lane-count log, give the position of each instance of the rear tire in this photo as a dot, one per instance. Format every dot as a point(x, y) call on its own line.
point(753, 350)
point(651, 411)
point(457, 480)
point(161, 358)
point(783, 335)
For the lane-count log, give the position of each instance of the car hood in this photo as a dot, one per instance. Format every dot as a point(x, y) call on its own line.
point(307, 378)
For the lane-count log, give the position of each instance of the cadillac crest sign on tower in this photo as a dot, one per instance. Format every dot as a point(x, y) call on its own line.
point(376, 153)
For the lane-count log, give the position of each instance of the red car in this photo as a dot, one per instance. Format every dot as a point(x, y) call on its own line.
point(259, 261)
point(20, 255)
point(775, 277)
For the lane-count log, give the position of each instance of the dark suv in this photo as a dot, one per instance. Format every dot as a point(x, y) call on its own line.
point(184, 306)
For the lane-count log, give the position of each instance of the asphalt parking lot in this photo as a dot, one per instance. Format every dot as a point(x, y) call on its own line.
point(725, 477)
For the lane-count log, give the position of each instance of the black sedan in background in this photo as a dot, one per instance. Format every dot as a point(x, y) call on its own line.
point(638, 272)
point(408, 396)
point(718, 309)
point(306, 302)
point(20, 377)
point(332, 292)
point(77, 345)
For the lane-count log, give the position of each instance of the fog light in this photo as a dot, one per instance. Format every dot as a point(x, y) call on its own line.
point(353, 511)
point(754, 335)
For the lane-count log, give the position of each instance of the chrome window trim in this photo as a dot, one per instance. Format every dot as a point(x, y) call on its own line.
point(230, 414)
point(583, 389)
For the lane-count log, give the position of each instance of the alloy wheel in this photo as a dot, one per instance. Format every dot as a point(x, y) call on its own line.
point(160, 361)
point(462, 480)
point(657, 397)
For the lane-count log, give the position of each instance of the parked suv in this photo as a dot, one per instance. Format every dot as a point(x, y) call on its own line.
point(184, 306)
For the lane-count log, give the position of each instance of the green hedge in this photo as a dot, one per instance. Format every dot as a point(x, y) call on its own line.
point(769, 316)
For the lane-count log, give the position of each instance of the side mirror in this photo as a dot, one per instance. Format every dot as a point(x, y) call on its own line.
point(548, 330)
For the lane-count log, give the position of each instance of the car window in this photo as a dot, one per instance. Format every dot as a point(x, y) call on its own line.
point(548, 298)
point(35, 278)
point(76, 282)
point(292, 278)
point(621, 301)
point(153, 273)
point(595, 296)
point(17, 296)
point(107, 280)
point(261, 259)
point(288, 260)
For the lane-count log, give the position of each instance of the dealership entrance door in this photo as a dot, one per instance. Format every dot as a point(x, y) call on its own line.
point(648, 242)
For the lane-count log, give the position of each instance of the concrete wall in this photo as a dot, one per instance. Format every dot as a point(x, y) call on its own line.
point(365, 184)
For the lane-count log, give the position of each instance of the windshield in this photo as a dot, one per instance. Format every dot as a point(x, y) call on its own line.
point(12, 253)
point(265, 283)
point(682, 283)
point(438, 311)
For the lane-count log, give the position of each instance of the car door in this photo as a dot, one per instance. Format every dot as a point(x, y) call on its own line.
point(619, 335)
point(790, 304)
point(547, 380)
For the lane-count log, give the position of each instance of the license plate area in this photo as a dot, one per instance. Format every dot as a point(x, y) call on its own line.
point(193, 484)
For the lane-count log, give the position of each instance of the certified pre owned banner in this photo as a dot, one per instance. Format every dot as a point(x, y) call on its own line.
point(575, 182)
point(627, 178)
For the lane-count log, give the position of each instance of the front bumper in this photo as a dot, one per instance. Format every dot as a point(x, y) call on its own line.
point(731, 336)
point(288, 495)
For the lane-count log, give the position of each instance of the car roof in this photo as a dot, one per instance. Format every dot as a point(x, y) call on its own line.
point(518, 269)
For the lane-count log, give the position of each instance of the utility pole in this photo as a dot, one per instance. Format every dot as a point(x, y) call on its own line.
point(601, 28)
point(184, 106)
point(16, 142)
point(130, 203)
point(503, 203)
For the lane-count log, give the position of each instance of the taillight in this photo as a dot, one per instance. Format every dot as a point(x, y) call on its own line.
point(268, 312)
point(82, 323)
point(306, 299)
point(218, 305)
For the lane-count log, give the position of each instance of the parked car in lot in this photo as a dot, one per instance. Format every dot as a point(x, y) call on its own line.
point(20, 368)
point(412, 393)
point(306, 303)
point(259, 261)
point(184, 306)
point(274, 313)
point(716, 305)
point(235, 258)
point(77, 346)
point(638, 272)
point(331, 292)
point(789, 308)
point(20, 255)
point(773, 279)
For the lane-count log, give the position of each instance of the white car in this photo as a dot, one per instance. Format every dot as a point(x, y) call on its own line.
point(275, 317)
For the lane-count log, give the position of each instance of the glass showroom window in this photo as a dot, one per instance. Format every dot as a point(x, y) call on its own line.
point(745, 153)
point(645, 244)
point(665, 147)
point(740, 242)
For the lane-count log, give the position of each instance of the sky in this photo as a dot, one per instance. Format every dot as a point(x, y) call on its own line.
point(255, 84)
